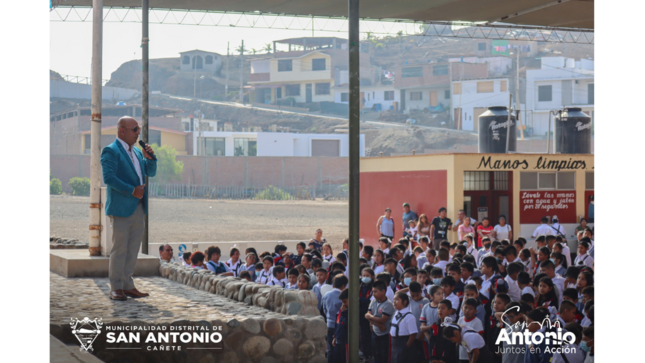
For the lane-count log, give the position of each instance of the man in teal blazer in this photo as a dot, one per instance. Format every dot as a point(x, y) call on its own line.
point(124, 170)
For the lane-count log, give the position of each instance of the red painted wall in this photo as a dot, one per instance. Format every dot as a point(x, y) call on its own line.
point(425, 191)
point(535, 204)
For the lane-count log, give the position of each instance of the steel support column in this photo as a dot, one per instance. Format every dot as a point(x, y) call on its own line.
point(354, 170)
point(95, 128)
point(144, 107)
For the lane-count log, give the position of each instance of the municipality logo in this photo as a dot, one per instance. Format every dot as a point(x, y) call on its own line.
point(86, 331)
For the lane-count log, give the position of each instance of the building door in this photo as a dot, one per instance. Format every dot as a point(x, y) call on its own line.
point(402, 101)
point(361, 98)
point(308, 92)
point(458, 123)
point(278, 93)
point(490, 194)
point(433, 99)
point(477, 111)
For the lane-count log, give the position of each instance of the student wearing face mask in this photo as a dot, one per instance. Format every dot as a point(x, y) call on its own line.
point(436, 275)
point(486, 251)
point(365, 298)
point(587, 344)
point(408, 276)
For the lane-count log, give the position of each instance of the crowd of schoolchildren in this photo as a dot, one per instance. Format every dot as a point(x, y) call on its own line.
point(443, 304)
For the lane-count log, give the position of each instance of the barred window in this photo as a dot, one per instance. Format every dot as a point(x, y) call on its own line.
point(476, 180)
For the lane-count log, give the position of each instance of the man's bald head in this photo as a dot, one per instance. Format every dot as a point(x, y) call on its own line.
point(128, 129)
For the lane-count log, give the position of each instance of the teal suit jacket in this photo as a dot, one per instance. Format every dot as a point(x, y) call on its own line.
point(121, 178)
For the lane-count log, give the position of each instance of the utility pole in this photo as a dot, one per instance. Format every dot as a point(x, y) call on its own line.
point(95, 128)
point(517, 93)
point(354, 176)
point(144, 108)
point(227, 61)
point(242, 73)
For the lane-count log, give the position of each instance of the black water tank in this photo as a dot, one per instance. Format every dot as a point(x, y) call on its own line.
point(493, 128)
point(573, 132)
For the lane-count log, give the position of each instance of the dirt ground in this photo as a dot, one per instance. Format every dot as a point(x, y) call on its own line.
point(198, 220)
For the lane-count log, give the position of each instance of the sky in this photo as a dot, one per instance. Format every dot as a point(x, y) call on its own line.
point(71, 42)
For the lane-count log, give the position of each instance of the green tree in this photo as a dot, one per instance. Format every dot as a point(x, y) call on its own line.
point(80, 186)
point(253, 50)
point(267, 48)
point(168, 168)
point(239, 49)
point(55, 186)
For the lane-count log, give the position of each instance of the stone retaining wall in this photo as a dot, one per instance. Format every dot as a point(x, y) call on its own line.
point(249, 334)
point(274, 298)
point(270, 340)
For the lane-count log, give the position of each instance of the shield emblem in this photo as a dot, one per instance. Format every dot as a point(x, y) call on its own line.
point(86, 331)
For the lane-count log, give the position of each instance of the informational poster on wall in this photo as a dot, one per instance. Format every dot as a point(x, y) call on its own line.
point(540, 203)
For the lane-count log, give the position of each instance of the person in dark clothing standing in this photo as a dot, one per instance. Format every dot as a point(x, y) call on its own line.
point(439, 228)
point(340, 333)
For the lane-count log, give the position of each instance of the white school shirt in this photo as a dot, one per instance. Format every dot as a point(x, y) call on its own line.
point(559, 282)
point(473, 251)
point(407, 325)
point(386, 251)
point(378, 269)
point(558, 228)
point(329, 258)
point(567, 253)
point(502, 232)
point(454, 300)
point(234, 267)
point(210, 267)
point(528, 290)
point(265, 276)
point(472, 340)
point(486, 285)
point(543, 229)
point(276, 282)
point(585, 259)
point(133, 159)
point(475, 325)
point(513, 290)
point(291, 287)
point(442, 265)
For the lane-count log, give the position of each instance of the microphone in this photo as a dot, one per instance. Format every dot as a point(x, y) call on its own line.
point(143, 146)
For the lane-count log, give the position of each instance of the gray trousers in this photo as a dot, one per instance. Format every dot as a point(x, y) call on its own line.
point(437, 243)
point(126, 241)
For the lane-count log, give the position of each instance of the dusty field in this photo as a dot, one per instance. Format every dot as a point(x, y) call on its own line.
point(184, 220)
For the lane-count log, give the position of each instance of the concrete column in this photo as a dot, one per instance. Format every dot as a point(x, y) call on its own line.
point(95, 127)
point(282, 174)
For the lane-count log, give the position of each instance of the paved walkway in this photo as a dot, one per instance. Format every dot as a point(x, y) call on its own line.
point(61, 353)
point(168, 301)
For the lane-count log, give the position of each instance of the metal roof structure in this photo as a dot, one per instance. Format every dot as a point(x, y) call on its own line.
point(549, 13)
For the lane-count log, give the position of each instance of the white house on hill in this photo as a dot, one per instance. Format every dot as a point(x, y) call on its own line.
point(200, 61)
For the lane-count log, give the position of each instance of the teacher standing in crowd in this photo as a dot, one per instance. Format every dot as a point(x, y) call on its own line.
point(124, 170)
